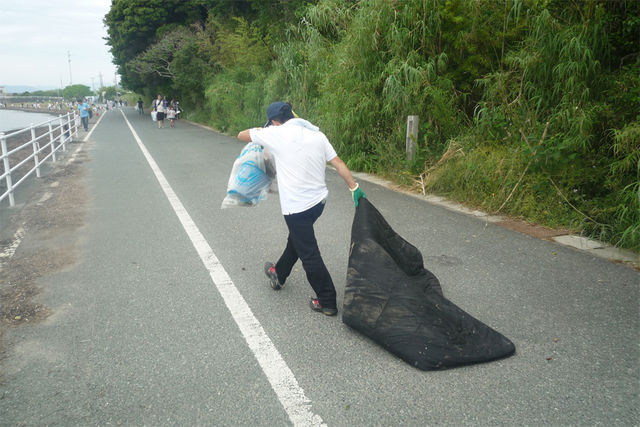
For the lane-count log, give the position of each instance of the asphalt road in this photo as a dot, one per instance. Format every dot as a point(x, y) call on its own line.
point(140, 334)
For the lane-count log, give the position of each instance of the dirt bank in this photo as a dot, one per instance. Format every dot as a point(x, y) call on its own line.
point(38, 239)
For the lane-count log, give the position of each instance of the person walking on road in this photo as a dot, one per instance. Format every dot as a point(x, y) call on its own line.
point(140, 106)
point(83, 107)
point(158, 106)
point(171, 115)
point(301, 152)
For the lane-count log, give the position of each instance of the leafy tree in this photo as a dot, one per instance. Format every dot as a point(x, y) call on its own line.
point(110, 92)
point(192, 73)
point(76, 91)
point(134, 25)
point(158, 58)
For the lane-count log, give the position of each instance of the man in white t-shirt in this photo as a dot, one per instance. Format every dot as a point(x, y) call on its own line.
point(301, 153)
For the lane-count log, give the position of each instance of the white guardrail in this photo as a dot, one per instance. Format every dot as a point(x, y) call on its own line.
point(40, 149)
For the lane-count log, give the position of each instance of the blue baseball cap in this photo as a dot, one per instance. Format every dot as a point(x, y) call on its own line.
point(275, 109)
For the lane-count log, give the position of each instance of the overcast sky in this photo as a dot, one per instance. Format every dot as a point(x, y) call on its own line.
point(35, 36)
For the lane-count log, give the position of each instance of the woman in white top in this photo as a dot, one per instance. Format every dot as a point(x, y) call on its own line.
point(158, 107)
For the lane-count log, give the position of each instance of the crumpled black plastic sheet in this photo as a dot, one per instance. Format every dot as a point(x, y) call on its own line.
point(391, 298)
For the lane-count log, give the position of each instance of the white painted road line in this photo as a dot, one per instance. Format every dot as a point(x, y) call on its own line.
point(282, 380)
point(11, 249)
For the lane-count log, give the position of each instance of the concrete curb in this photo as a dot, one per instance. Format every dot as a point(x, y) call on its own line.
point(593, 247)
point(202, 126)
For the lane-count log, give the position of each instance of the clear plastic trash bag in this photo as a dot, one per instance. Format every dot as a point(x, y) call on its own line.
point(251, 178)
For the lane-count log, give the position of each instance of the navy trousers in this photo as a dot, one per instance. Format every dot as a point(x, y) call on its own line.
point(302, 244)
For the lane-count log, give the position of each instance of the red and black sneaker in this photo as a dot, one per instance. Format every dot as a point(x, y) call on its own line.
point(270, 271)
point(315, 306)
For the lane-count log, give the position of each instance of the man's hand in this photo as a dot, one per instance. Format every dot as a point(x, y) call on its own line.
point(357, 194)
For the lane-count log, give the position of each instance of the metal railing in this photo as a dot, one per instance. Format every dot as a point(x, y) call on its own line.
point(61, 131)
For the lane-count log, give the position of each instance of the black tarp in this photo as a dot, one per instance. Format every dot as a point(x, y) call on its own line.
point(391, 298)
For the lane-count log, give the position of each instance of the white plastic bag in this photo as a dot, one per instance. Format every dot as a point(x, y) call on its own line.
point(251, 177)
point(153, 116)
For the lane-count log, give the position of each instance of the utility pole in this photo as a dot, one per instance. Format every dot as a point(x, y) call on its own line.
point(101, 85)
point(93, 86)
point(70, 79)
point(115, 79)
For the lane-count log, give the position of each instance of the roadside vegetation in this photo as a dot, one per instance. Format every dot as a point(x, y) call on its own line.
point(529, 108)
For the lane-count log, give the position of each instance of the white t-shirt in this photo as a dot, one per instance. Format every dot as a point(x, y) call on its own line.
point(159, 106)
point(301, 153)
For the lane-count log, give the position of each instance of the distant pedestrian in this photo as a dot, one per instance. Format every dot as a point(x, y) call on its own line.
point(171, 115)
point(140, 104)
point(158, 107)
point(83, 107)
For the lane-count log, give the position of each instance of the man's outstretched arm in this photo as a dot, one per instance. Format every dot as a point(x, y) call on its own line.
point(245, 135)
point(345, 173)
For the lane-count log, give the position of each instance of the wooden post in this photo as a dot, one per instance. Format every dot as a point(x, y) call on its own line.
point(412, 136)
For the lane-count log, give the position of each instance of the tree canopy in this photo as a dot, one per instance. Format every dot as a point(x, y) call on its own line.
point(76, 91)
